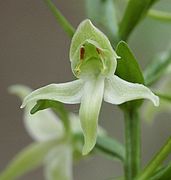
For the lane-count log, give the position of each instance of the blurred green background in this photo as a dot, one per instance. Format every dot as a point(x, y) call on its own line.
point(34, 51)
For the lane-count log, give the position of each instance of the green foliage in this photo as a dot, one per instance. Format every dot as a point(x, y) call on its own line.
point(157, 68)
point(100, 76)
point(156, 161)
point(110, 147)
point(129, 70)
point(28, 159)
point(166, 97)
point(135, 11)
point(127, 66)
point(163, 173)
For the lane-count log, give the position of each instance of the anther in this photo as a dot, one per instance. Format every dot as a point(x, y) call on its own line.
point(98, 50)
point(82, 52)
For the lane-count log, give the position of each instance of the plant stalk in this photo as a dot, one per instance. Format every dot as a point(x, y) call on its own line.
point(67, 27)
point(134, 13)
point(132, 143)
point(156, 161)
point(160, 15)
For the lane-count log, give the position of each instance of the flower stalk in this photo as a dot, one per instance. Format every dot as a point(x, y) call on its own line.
point(68, 28)
point(160, 15)
point(156, 161)
point(132, 144)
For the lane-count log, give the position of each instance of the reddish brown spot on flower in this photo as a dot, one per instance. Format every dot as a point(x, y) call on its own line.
point(98, 50)
point(82, 52)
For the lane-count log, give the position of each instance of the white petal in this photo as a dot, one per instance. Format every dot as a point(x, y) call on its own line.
point(42, 126)
point(58, 164)
point(70, 93)
point(89, 111)
point(75, 123)
point(118, 91)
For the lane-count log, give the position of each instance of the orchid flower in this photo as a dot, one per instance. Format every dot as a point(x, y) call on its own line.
point(51, 147)
point(93, 62)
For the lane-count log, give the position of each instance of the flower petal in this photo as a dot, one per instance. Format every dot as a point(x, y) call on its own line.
point(118, 91)
point(59, 164)
point(69, 92)
point(87, 32)
point(75, 123)
point(43, 125)
point(89, 111)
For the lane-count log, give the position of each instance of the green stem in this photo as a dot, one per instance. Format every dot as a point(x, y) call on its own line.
point(110, 147)
point(166, 97)
point(156, 161)
point(162, 173)
point(67, 27)
point(135, 11)
point(160, 15)
point(132, 138)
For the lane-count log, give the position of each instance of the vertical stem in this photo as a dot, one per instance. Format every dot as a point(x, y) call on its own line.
point(132, 143)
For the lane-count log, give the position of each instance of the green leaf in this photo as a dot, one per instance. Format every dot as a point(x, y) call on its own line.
point(128, 68)
point(134, 13)
point(28, 159)
point(166, 97)
point(105, 145)
point(56, 106)
point(110, 147)
point(158, 67)
point(103, 12)
point(163, 173)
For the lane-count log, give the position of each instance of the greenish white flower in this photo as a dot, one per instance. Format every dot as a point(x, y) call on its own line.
point(46, 128)
point(93, 62)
